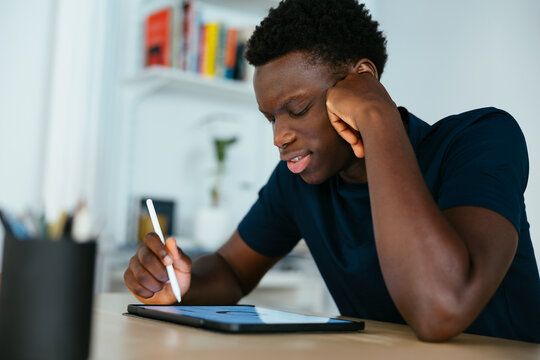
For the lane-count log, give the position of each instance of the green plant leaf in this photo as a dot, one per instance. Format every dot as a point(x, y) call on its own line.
point(221, 146)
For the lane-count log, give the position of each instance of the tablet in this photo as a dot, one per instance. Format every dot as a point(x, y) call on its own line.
point(242, 318)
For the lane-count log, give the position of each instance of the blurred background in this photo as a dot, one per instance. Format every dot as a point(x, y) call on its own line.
point(108, 102)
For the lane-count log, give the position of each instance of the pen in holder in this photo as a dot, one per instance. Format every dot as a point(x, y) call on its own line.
point(46, 298)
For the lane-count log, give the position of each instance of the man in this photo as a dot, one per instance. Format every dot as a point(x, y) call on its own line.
point(407, 222)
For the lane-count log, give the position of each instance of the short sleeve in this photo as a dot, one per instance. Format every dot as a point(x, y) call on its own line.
point(487, 166)
point(269, 228)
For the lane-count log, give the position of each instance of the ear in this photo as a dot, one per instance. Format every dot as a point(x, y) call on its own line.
point(366, 65)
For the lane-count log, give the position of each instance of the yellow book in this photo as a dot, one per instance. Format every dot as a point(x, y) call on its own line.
point(211, 44)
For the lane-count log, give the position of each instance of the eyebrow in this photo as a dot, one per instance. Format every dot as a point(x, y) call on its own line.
point(286, 103)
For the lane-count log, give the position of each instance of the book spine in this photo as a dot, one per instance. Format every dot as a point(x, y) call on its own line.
point(220, 56)
point(186, 35)
point(201, 56)
point(197, 33)
point(211, 32)
point(176, 35)
point(243, 71)
point(158, 38)
point(230, 52)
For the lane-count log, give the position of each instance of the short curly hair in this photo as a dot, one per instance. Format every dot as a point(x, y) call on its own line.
point(336, 32)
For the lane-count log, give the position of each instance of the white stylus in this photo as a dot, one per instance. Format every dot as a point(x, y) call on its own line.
point(157, 229)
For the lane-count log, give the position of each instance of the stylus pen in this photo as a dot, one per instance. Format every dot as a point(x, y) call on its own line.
point(157, 229)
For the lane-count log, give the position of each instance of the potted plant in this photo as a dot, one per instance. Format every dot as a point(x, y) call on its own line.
point(212, 222)
point(220, 146)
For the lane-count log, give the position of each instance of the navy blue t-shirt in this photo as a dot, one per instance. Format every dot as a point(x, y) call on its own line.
point(478, 158)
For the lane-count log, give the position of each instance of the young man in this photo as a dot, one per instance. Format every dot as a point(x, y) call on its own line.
point(407, 222)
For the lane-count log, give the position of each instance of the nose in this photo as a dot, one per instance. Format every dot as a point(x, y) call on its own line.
point(283, 135)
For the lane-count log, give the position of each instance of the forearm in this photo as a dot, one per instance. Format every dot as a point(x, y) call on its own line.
point(425, 264)
point(212, 283)
point(440, 267)
point(227, 275)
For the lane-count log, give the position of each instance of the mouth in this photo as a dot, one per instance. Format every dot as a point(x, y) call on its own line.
point(299, 163)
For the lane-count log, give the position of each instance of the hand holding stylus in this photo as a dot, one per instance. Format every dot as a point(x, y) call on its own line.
point(157, 229)
point(147, 276)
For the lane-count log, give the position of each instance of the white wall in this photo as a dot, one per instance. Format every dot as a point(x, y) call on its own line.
point(25, 36)
point(173, 154)
point(82, 82)
point(446, 57)
point(55, 76)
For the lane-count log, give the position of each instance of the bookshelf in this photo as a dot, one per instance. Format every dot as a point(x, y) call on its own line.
point(190, 97)
point(171, 79)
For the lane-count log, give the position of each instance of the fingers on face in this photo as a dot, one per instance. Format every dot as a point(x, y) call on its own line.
point(349, 134)
point(339, 125)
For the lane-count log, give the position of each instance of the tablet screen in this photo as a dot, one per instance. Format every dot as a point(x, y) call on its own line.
point(243, 314)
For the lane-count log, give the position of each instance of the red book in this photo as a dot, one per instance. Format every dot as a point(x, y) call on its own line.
point(157, 39)
point(231, 45)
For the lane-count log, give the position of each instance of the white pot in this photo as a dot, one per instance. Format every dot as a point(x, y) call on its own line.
point(211, 227)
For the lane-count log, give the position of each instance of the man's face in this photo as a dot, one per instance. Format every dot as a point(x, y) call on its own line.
point(291, 93)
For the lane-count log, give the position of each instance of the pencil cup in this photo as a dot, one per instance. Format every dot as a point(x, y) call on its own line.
point(46, 299)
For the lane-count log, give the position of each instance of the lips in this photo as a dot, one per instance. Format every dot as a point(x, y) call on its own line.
point(299, 162)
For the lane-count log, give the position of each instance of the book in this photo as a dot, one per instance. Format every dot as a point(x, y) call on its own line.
point(165, 211)
point(220, 51)
point(176, 33)
point(243, 70)
point(157, 39)
point(230, 52)
point(210, 47)
point(190, 35)
point(200, 49)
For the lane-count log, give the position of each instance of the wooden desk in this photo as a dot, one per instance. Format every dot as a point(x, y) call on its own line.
point(116, 336)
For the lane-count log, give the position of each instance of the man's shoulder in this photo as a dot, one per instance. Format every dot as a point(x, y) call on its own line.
point(488, 137)
point(479, 113)
point(494, 117)
point(471, 136)
point(482, 123)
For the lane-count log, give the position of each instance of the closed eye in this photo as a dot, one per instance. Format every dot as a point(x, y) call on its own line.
point(299, 114)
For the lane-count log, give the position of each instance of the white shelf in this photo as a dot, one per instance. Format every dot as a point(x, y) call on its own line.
point(170, 78)
point(258, 7)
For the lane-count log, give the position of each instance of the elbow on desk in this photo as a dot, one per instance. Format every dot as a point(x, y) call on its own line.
point(439, 325)
point(431, 333)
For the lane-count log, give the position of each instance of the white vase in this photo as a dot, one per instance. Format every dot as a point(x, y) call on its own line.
point(211, 227)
